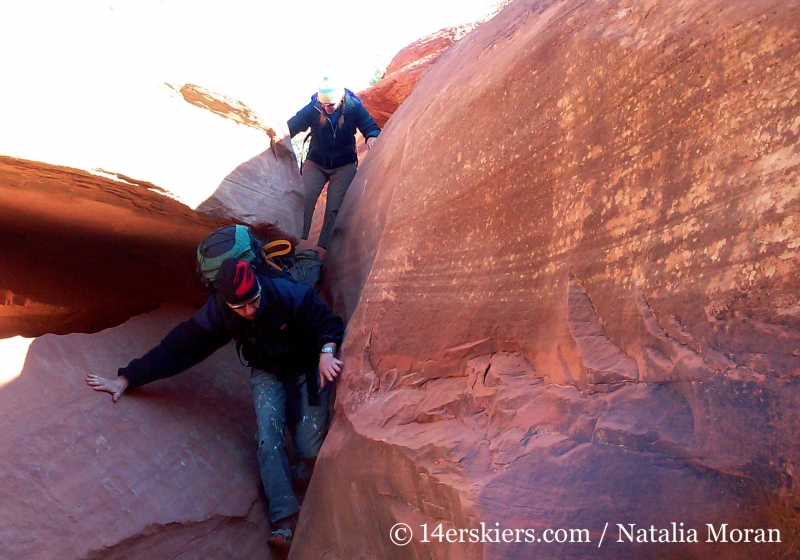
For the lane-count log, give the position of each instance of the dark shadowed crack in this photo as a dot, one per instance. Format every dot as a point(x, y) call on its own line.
point(215, 537)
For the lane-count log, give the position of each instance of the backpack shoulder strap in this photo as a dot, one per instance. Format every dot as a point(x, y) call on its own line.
point(274, 249)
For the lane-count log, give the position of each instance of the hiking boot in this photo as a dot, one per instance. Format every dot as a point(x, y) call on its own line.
point(283, 532)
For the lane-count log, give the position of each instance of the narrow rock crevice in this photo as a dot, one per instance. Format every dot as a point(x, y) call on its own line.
point(605, 364)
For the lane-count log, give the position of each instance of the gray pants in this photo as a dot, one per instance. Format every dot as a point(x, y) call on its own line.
point(314, 178)
point(275, 408)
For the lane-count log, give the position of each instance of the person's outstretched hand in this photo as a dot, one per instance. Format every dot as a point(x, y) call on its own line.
point(370, 142)
point(329, 368)
point(114, 386)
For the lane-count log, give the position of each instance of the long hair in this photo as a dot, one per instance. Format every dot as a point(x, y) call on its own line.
point(323, 115)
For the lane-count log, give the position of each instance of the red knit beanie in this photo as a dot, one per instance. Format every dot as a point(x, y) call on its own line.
point(237, 282)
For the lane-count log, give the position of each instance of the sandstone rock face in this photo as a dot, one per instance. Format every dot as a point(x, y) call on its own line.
point(183, 138)
point(199, 146)
point(265, 192)
point(82, 252)
point(405, 70)
point(168, 471)
point(571, 271)
point(432, 45)
point(88, 250)
point(383, 98)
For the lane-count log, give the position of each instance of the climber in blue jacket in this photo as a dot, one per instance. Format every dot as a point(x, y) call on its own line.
point(289, 337)
point(333, 115)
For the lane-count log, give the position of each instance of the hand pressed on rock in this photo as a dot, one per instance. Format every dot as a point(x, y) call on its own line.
point(114, 386)
point(329, 368)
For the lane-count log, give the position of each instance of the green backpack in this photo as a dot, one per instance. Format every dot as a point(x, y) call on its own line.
point(236, 242)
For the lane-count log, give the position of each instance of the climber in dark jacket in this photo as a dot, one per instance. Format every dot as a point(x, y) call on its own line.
point(333, 115)
point(289, 337)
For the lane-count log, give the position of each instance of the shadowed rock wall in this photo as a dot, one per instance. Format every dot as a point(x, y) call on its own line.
point(168, 471)
point(87, 250)
point(81, 252)
point(571, 271)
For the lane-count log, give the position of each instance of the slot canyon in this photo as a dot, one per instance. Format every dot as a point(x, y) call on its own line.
point(569, 273)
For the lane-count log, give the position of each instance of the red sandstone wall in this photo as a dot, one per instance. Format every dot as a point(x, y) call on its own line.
point(571, 271)
point(81, 252)
point(383, 98)
point(406, 69)
point(168, 471)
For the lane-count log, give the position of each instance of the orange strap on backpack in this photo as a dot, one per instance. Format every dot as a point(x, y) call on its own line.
point(269, 251)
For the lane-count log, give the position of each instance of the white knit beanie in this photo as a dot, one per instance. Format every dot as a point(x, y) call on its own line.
point(329, 92)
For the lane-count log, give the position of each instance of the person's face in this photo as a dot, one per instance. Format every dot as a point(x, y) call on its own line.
point(248, 310)
point(330, 108)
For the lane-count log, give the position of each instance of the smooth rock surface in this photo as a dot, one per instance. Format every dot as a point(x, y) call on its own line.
point(570, 268)
point(116, 234)
point(383, 98)
point(168, 471)
point(264, 192)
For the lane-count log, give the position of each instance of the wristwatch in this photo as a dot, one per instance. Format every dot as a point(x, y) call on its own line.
point(326, 350)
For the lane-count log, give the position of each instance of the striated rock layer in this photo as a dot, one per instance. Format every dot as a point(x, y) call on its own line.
point(82, 252)
point(85, 250)
point(571, 272)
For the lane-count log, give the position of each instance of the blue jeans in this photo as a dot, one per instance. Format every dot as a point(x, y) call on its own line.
point(275, 409)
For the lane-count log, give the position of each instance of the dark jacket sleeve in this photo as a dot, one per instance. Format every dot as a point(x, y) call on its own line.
point(186, 345)
point(312, 315)
point(365, 123)
point(302, 120)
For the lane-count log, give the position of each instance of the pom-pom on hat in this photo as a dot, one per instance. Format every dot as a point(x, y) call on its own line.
point(329, 92)
point(237, 282)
